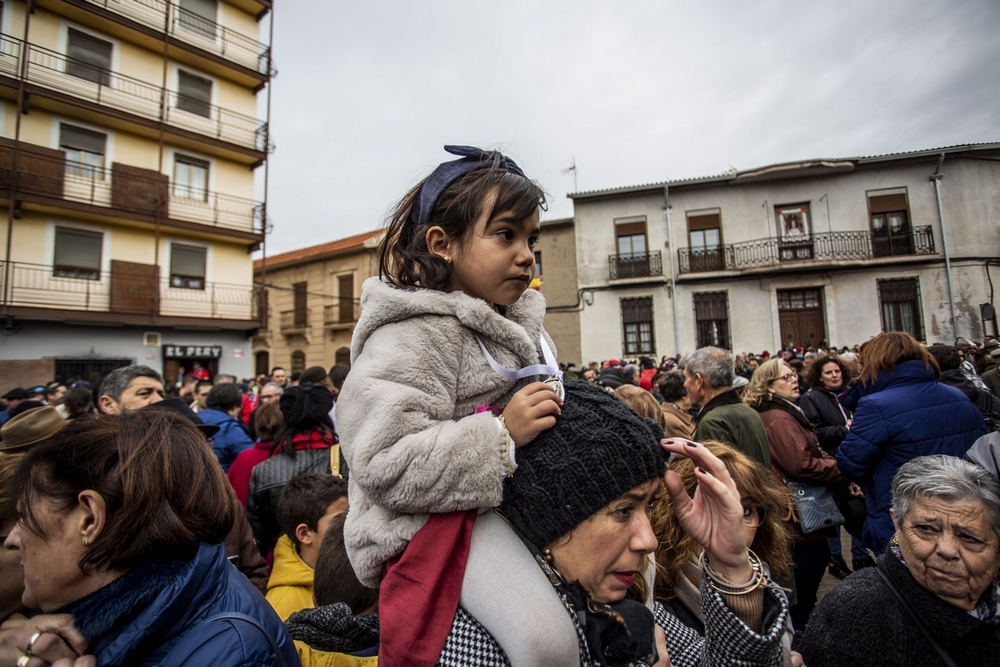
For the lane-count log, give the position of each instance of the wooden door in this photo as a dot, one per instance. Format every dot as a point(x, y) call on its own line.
point(345, 290)
point(800, 315)
point(134, 287)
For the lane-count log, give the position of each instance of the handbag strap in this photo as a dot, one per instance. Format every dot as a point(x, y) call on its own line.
point(913, 615)
point(237, 616)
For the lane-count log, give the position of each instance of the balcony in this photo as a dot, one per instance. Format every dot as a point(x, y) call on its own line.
point(192, 31)
point(294, 321)
point(44, 174)
point(130, 98)
point(635, 265)
point(121, 292)
point(826, 247)
point(341, 315)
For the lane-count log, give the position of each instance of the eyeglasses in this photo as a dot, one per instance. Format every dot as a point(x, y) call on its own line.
point(753, 515)
point(787, 377)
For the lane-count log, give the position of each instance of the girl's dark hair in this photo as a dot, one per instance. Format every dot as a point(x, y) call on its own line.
point(403, 257)
point(306, 409)
point(163, 488)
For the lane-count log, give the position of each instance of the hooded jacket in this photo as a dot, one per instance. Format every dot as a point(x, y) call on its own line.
point(162, 612)
point(902, 415)
point(231, 439)
point(290, 588)
point(407, 413)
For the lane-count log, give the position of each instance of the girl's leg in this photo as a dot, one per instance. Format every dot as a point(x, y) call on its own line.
point(506, 591)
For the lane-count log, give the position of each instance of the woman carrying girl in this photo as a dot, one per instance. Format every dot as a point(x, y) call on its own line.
point(448, 362)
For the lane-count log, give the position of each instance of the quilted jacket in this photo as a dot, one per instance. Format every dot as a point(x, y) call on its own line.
point(902, 415)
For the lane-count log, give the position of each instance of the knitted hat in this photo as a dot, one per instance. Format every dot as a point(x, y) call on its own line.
point(305, 407)
point(598, 450)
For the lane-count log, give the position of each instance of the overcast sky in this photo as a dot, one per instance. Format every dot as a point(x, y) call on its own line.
point(368, 92)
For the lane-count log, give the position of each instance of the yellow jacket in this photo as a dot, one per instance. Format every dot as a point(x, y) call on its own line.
point(313, 658)
point(290, 588)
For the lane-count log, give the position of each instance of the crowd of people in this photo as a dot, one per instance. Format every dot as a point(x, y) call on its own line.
point(457, 498)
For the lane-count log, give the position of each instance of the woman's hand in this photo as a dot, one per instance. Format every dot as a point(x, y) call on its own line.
point(660, 640)
point(714, 516)
point(855, 490)
point(58, 642)
point(530, 411)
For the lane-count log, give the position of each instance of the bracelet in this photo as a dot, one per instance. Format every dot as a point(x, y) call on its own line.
point(505, 444)
point(759, 578)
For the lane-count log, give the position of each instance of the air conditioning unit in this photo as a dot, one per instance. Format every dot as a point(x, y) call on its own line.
point(151, 339)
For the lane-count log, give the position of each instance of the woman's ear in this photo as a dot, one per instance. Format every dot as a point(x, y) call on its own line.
point(93, 515)
point(440, 243)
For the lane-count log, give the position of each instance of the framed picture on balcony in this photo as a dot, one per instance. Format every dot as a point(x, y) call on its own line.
point(793, 222)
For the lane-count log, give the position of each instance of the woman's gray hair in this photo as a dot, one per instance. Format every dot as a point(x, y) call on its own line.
point(947, 478)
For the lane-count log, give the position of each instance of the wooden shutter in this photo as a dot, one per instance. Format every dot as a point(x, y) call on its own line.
point(78, 248)
point(194, 94)
point(887, 203)
point(187, 261)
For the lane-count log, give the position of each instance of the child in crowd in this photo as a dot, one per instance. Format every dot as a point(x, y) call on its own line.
point(308, 505)
point(342, 630)
point(445, 384)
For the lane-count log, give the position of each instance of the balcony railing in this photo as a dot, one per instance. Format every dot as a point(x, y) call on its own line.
point(337, 314)
point(47, 173)
point(829, 246)
point(635, 265)
point(106, 88)
point(194, 30)
point(294, 320)
point(40, 286)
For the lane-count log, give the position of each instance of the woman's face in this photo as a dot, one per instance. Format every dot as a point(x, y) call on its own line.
point(51, 560)
point(11, 576)
point(605, 552)
point(950, 548)
point(786, 385)
point(830, 375)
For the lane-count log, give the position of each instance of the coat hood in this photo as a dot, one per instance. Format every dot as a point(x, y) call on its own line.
point(289, 569)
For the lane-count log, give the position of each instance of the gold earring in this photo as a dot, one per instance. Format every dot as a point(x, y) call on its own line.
point(86, 543)
point(547, 555)
point(448, 259)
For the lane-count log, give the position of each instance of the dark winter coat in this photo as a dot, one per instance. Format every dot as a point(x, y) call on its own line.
point(985, 402)
point(902, 415)
point(231, 439)
point(860, 622)
point(159, 613)
point(726, 419)
point(828, 419)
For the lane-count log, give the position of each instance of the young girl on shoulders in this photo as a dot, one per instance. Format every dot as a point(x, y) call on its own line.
point(449, 360)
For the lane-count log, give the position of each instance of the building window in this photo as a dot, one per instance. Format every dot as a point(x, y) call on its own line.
point(890, 224)
point(77, 254)
point(88, 57)
point(298, 361)
point(300, 312)
point(199, 16)
point(190, 178)
point(711, 316)
point(637, 325)
point(187, 266)
point(194, 94)
point(343, 356)
point(345, 299)
point(538, 262)
point(798, 299)
point(630, 238)
point(705, 240)
point(262, 363)
point(900, 304)
point(84, 150)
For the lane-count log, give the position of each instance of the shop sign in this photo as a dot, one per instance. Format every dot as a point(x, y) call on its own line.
point(192, 351)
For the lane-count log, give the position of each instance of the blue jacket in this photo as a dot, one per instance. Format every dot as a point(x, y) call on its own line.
point(156, 613)
point(231, 439)
point(903, 415)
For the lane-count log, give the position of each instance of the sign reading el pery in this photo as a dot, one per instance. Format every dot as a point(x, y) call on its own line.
point(192, 351)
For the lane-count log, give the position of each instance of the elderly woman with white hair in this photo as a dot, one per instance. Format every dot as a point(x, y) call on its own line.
point(934, 598)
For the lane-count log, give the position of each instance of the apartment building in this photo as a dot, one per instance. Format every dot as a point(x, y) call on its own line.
point(556, 278)
point(314, 301)
point(816, 252)
point(130, 142)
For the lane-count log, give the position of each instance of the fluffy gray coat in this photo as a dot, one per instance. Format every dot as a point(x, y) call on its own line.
point(407, 413)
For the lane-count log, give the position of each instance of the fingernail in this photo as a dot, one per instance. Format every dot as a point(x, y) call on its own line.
point(668, 441)
point(692, 445)
point(701, 470)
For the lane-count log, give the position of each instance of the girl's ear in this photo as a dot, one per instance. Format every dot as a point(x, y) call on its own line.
point(440, 243)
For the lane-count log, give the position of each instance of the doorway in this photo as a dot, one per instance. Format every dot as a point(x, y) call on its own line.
point(800, 314)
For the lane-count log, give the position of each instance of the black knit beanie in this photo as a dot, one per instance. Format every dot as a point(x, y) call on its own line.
point(598, 450)
point(305, 406)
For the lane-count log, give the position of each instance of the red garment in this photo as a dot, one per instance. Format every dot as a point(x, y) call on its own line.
point(243, 465)
point(249, 403)
point(419, 593)
point(646, 379)
point(200, 374)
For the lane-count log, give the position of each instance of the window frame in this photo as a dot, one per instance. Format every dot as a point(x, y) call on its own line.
point(196, 23)
point(703, 305)
point(77, 272)
point(81, 69)
point(79, 167)
point(191, 104)
point(883, 204)
point(632, 311)
point(186, 191)
point(631, 228)
point(899, 285)
point(184, 281)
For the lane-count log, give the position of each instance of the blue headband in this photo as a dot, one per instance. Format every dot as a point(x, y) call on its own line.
point(449, 172)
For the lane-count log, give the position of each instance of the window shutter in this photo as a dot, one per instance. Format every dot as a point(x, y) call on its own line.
point(88, 57)
point(886, 203)
point(630, 228)
point(71, 136)
point(205, 9)
point(78, 248)
point(194, 94)
point(186, 260)
point(704, 221)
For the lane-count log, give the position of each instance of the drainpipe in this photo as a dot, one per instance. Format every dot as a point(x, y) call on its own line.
point(936, 179)
point(673, 269)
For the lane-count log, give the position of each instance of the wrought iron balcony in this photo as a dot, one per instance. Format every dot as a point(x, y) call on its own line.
point(341, 315)
point(113, 291)
point(193, 30)
point(294, 320)
point(44, 172)
point(635, 265)
point(825, 247)
point(49, 69)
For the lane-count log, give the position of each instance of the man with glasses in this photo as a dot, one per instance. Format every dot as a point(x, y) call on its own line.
point(708, 379)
